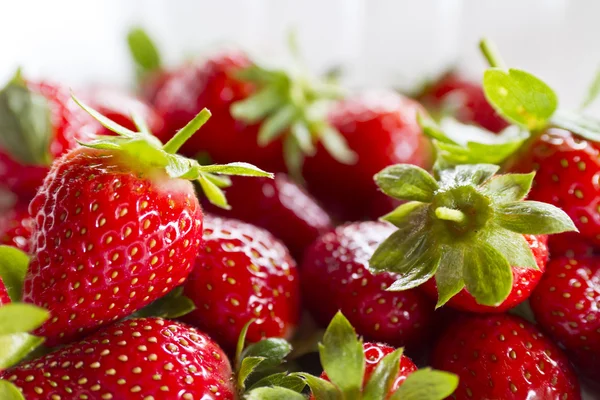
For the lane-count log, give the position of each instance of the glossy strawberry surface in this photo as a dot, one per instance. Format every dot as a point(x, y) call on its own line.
point(504, 357)
point(107, 241)
point(242, 273)
point(145, 358)
point(4, 297)
point(335, 277)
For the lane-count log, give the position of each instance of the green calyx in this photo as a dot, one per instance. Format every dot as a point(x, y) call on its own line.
point(343, 359)
point(147, 152)
point(143, 51)
point(25, 123)
point(464, 226)
point(292, 106)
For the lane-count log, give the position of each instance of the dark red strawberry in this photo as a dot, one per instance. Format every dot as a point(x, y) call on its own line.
point(45, 124)
point(242, 273)
point(524, 281)
point(278, 205)
point(16, 227)
point(570, 245)
point(4, 297)
point(565, 304)
point(335, 277)
point(464, 99)
point(381, 128)
point(116, 228)
point(504, 357)
point(146, 358)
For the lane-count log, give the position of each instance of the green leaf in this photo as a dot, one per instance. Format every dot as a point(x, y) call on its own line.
point(428, 384)
point(213, 193)
point(533, 217)
point(25, 123)
point(509, 187)
point(303, 137)
point(406, 212)
point(467, 174)
point(282, 379)
point(241, 343)
point(582, 125)
point(13, 267)
point(294, 158)
point(248, 366)
point(221, 181)
point(256, 107)
point(273, 393)
point(512, 246)
point(21, 317)
point(381, 381)
point(593, 91)
point(236, 168)
point(14, 347)
point(8, 391)
point(487, 274)
point(449, 275)
point(273, 350)
point(143, 50)
point(322, 389)
point(406, 182)
point(420, 272)
point(342, 356)
point(173, 305)
point(520, 97)
point(276, 124)
point(104, 121)
point(336, 145)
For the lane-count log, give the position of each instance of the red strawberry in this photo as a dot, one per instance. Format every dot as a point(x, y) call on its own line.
point(242, 273)
point(570, 245)
point(280, 206)
point(565, 304)
point(504, 357)
point(27, 149)
point(4, 297)
point(16, 227)
point(116, 228)
point(146, 358)
point(465, 98)
point(524, 281)
point(335, 277)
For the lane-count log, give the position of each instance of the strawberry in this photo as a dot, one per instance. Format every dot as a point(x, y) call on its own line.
point(242, 273)
point(335, 277)
point(357, 370)
point(465, 227)
point(565, 305)
point(16, 227)
point(40, 122)
point(117, 225)
point(524, 281)
point(570, 245)
point(4, 297)
point(146, 358)
point(463, 98)
point(278, 205)
point(504, 357)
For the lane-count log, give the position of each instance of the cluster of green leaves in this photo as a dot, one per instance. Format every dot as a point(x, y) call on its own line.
point(464, 226)
point(149, 152)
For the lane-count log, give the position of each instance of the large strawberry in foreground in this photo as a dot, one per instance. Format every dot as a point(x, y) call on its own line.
point(117, 225)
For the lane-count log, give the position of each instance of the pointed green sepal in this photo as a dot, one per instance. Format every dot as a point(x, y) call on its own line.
point(13, 267)
point(143, 51)
point(593, 91)
point(8, 391)
point(449, 275)
point(508, 188)
point(406, 182)
point(322, 389)
point(281, 379)
point(16, 319)
point(381, 381)
point(173, 305)
point(533, 217)
point(273, 393)
point(426, 384)
point(487, 274)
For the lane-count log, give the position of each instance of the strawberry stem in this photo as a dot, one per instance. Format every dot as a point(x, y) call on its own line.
point(187, 131)
point(491, 54)
point(450, 214)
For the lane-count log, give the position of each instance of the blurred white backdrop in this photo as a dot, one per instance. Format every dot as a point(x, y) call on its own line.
point(379, 42)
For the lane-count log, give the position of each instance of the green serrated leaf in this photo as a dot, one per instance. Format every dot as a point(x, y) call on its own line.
point(420, 272)
point(213, 193)
point(273, 393)
point(520, 97)
point(426, 383)
point(303, 137)
point(322, 389)
point(236, 168)
point(106, 122)
point(294, 158)
point(582, 125)
point(406, 212)
point(533, 217)
point(511, 245)
point(142, 49)
point(336, 145)
point(8, 391)
point(173, 305)
point(487, 274)
point(593, 91)
point(381, 381)
point(247, 367)
point(273, 350)
point(509, 187)
point(461, 175)
point(255, 108)
point(282, 379)
point(406, 182)
point(449, 275)
point(342, 356)
point(13, 267)
point(21, 317)
point(14, 347)
point(276, 124)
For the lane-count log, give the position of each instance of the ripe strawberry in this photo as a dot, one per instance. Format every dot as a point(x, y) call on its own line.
point(382, 129)
point(242, 273)
point(524, 282)
point(116, 227)
point(40, 122)
point(504, 357)
point(4, 297)
point(570, 245)
point(565, 304)
point(145, 358)
point(463, 98)
point(280, 206)
point(16, 227)
point(335, 277)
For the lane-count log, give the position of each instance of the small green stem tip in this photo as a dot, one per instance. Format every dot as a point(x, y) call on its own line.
point(186, 132)
point(491, 54)
point(450, 214)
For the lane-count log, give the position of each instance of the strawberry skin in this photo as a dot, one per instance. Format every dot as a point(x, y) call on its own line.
point(504, 357)
point(145, 358)
point(107, 241)
point(278, 205)
point(565, 304)
point(335, 277)
point(16, 227)
point(241, 273)
point(4, 297)
point(524, 281)
point(381, 128)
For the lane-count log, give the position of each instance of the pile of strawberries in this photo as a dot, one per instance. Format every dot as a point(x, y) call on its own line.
point(207, 236)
